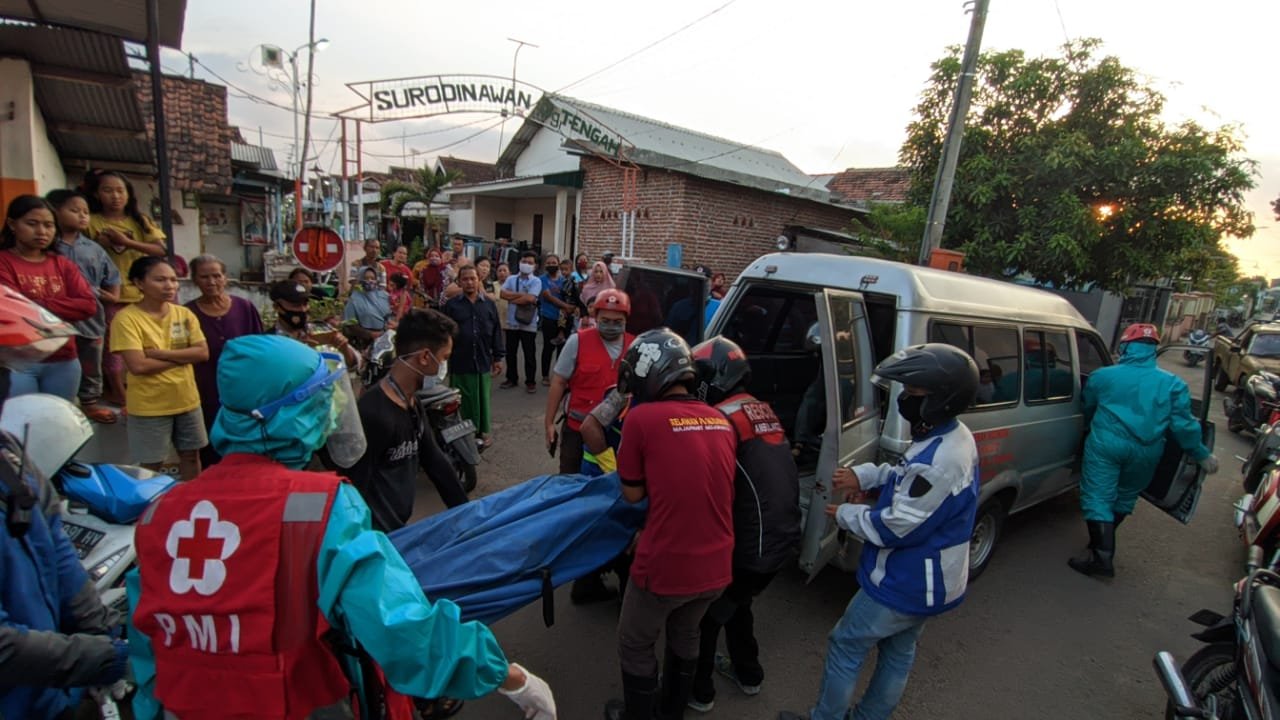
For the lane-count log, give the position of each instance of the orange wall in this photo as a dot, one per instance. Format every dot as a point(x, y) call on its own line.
point(11, 188)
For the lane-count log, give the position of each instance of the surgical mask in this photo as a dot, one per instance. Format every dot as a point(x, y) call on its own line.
point(615, 268)
point(293, 318)
point(429, 381)
point(526, 268)
point(582, 266)
point(434, 260)
point(368, 285)
point(553, 269)
point(909, 407)
point(610, 329)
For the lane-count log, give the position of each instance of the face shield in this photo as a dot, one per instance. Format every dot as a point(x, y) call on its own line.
point(345, 441)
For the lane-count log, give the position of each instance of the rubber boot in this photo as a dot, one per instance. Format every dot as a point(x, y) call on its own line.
point(639, 699)
point(677, 685)
point(1102, 547)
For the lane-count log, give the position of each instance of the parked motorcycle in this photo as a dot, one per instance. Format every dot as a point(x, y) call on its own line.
point(1232, 676)
point(378, 359)
point(1254, 406)
point(102, 501)
point(102, 504)
point(441, 405)
point(1200, 340)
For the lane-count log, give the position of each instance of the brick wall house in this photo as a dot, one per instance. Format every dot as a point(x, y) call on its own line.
point(719, 224)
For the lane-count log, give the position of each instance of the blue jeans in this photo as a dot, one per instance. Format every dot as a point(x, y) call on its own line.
point(867, 624)
point(60, 378)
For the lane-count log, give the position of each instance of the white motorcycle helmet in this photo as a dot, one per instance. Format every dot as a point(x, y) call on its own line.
point(51, 429)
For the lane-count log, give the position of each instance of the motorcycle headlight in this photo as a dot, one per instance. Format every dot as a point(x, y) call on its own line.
point(100, 570)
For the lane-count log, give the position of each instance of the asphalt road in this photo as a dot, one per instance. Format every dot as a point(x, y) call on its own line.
point(1033, 638)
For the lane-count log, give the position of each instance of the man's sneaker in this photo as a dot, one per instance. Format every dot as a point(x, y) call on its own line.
point(724, 666)
point(702, 707)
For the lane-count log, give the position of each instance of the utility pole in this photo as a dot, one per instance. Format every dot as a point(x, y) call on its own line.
point(306, 125)
point(955, 133)
point(502, 134)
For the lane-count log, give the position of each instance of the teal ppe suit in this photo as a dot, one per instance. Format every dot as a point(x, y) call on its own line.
point(366, 591)
point(1130, 407)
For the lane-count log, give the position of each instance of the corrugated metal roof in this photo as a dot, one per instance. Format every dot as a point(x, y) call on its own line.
point(102, 149)
point(121, 18)
point(63, 48)
point(84, 88)
point(260, 157)
point(97, 105)
point(661, 145)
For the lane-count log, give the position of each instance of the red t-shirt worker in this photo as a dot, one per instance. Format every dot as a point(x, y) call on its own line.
point(680, 453)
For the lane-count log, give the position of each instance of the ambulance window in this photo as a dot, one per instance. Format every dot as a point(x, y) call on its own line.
point(842, 314)
point(994, 349)
point(1093, 354)
point(1050, 372)
point(771, 321)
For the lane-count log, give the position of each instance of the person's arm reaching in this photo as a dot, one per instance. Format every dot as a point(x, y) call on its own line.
point(1186, 429)
point(439, 470)
point(909, 518)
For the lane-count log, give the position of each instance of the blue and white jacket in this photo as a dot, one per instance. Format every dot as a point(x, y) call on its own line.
point(915, 541)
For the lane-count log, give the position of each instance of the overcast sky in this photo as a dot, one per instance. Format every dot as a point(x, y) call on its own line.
point(828, 83)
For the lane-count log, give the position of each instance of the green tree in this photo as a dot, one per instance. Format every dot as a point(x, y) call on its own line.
point(1068, 173)
point(423, 188)
point(891, 231)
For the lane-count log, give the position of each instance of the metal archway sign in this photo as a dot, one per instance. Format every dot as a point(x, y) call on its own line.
point(431, 95)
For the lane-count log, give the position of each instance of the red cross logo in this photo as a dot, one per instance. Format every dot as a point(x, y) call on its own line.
point(199, 546)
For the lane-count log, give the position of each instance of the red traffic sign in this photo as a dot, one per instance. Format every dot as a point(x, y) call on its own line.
point(318, 249)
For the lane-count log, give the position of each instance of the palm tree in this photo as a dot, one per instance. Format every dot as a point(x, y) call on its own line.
point(423, 188)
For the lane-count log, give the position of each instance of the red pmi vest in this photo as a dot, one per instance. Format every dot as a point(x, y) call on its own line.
point(230, 593)
point(593, 375)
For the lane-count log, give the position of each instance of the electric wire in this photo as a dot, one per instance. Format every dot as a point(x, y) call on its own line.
point(653, 44)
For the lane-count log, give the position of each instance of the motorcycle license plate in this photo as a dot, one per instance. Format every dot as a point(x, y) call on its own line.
point(453, 432)
point(82, 538)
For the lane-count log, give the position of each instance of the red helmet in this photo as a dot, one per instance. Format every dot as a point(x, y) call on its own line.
point(612, 299)
point(28, 332)
point(1141, 332)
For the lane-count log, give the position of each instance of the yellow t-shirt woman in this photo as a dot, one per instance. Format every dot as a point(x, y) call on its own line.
point(123, 257)
point(172, 391)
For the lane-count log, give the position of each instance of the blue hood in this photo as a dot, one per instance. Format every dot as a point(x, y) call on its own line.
point(255, 370)
point(1142, 354)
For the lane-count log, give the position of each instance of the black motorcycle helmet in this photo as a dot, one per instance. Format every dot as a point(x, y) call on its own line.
point(656, 360)
point(948, 374)
point(721, 367)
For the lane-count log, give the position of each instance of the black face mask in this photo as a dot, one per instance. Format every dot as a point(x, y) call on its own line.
point(909, 407)
point(293, 318)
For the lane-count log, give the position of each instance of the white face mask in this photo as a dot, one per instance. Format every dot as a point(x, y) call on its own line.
point(430, 381)
point(526, 268)
point(615, 268)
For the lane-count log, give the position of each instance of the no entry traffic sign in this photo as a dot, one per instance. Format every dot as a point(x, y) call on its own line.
point(318, 249)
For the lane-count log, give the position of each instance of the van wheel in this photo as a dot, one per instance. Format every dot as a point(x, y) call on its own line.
point(1221, 381)
point(986, 531)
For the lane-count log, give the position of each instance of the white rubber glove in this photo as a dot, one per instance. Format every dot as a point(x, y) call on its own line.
point(1210, 464)
point(534, 697)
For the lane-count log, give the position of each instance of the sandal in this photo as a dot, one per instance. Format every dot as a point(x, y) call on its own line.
point(438, 708)
point(98, 414)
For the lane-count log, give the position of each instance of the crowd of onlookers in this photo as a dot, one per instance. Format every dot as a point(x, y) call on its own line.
point(91, 257)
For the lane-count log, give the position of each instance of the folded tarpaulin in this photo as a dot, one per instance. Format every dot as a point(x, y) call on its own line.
point(495, 555)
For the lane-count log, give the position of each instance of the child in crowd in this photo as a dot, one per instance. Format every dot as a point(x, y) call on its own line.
point(30, 264)
point(126, 234)
point(159, 342)
point(71, 209)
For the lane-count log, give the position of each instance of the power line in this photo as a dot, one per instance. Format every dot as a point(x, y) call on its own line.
point(446, 146)
point(659, 41)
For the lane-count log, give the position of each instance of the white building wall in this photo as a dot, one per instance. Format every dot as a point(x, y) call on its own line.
point(26, 153)
point(47, 166)
point(544, 156)
point(525, 209)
